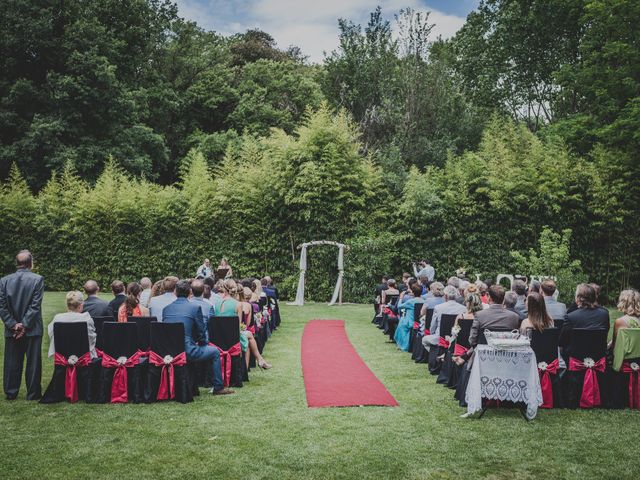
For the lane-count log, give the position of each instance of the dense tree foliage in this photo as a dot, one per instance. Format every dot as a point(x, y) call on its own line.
point(133, 142)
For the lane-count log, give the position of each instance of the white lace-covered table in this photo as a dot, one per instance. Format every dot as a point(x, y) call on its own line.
point(506, 375)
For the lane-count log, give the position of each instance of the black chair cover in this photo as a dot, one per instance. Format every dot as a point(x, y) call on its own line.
point(463, 340)
point(225, 333)
point(416, 318)
point(120, 340)
point(97, 322)
point(143, 332)
point(447, 321)
point(72, 339)
point(620, 386)
point(168, 339)
point(585, 343)
point(545, 347)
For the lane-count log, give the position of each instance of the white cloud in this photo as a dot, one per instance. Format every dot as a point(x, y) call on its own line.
point(311, 25)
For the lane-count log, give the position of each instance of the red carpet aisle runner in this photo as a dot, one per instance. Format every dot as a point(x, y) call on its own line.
point(334, 374)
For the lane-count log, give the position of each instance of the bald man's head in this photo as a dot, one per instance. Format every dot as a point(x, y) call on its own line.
point(91, 287)
point(24, 259)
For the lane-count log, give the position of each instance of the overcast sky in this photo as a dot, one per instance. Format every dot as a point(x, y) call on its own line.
point(313, 25)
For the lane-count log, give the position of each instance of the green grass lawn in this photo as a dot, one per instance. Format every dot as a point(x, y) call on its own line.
point(266, 430)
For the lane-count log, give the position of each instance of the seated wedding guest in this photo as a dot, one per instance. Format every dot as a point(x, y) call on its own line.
point(495, 316)
point(588, 316)
point(117, 287)
point(462, 287)
point(534, 286)
point(537, 317)
point(132, 306)
point(405, 324)
point(596, 288)
point(629, 305)
point(484, 292)
point(381, 287)
point(268, 287)
point(157, 304)
point(206, 294)
point(473, 304)
point(229, 306)
point(521, 291)
point(247, 329)
point(425, 283)
point(210, 295)
point(72, 315)
point(198, 289)
point(449, 307)
point(204, 270)
point(224, 265)
point(391, 290)
point(94, 306)
point(258, 292)
point(181, 310)
point(436, 289)
point(556, 310)
point(145, 283)
point(405, 282)
point(510, 300)
point(156, 290)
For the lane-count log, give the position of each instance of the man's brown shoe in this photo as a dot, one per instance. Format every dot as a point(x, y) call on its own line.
point(224, 391)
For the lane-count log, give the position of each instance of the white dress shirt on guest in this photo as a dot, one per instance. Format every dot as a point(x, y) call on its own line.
point(72, 317)
point(144, 297)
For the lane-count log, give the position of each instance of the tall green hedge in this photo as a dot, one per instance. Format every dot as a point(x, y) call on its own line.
point(271, 194)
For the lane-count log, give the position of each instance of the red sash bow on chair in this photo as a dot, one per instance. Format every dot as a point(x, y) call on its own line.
point(416, 325)
point(634, 383)
point(590, 390)
point(545, 370)
point(225, 360)
point(119, 390)
point(71, 377)
point(167, 388)
point(459, 350)
point(443, 342)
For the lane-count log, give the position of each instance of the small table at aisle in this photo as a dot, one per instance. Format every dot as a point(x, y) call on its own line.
point(505, 375)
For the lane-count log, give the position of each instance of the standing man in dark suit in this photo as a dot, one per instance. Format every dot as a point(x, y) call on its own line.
point(96, 307)
point(496, 316)
point(190, 315)
point(21, 296)
point(117, 287)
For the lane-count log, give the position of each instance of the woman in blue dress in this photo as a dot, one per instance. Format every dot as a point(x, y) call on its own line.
point(406, 320)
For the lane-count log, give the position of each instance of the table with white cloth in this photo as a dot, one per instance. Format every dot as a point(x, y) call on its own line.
point(505, 375)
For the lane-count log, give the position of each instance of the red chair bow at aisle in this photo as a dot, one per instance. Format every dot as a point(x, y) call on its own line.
point(167, 390)
point(225, 360)
point(119, 386)
point(546, 370)
point(71, 375)
point(590, 389)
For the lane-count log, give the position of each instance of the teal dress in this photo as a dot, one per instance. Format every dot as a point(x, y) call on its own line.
point(405, 324)
point(228, 308)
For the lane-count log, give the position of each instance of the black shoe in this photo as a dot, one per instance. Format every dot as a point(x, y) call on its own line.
point(12, 397)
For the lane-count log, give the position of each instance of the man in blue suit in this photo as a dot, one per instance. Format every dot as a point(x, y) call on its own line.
point(190, 315)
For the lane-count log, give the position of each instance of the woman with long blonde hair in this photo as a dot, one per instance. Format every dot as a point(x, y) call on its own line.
point(629, 305)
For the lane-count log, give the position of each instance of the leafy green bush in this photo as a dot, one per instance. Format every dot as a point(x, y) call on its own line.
point(553, 259)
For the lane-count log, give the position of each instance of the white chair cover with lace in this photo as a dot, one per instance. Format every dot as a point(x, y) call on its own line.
point(506, 375)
